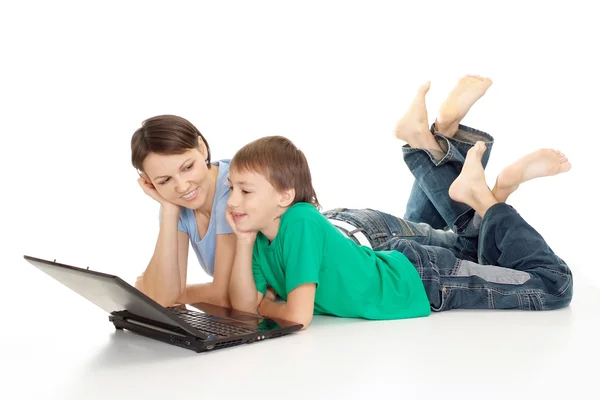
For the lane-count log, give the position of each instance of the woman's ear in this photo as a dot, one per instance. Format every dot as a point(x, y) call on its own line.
point(287, 197)
point(145, 177)
point(202, 149)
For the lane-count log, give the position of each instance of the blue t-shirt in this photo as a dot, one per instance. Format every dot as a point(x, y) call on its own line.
point(205, 248)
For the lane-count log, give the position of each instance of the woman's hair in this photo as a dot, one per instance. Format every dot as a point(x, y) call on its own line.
point(165, 134)
point(281, 163)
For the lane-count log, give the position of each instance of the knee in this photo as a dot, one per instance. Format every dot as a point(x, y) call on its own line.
point(563, 293)
point(567, 293)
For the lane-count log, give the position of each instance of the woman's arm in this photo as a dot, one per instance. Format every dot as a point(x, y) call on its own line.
point(216, 292)
point(164, 278)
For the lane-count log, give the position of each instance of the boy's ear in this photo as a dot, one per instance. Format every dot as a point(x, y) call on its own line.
point(287, 197)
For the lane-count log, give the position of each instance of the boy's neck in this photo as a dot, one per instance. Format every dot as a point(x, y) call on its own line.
point(272, 230)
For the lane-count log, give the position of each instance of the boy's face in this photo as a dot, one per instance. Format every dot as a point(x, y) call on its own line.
point(254, 203)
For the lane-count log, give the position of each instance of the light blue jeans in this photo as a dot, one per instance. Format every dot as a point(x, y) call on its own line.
point(500, 262)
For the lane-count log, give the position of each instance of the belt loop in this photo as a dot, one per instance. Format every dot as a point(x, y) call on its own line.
point(356, 234)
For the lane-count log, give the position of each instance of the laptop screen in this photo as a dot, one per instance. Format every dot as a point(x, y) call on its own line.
point(106, 291)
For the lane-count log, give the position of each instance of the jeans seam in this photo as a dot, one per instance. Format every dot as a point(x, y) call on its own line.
point(406, 149)
point(468, 129)
point(495, 290)
point(542, 301)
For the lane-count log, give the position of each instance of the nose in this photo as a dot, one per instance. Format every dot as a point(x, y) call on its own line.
point(181, 186)
point(233, 200)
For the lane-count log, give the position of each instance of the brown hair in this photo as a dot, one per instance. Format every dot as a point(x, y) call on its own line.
point(165, 134)
point(281, 163)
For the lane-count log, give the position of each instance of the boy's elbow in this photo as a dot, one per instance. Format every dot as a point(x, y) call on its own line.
point(305, 324)
point(304, 320)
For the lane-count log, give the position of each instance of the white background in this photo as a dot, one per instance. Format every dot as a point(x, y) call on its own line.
point(77, 79)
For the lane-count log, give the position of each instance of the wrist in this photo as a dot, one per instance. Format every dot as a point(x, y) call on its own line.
point(263, 306)
point(246, 241)
point(169, 210)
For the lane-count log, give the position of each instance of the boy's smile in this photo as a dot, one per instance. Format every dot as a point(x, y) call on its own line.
point(237, 217)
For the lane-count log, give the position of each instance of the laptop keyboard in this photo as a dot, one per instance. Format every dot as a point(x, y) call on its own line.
point(204, 323)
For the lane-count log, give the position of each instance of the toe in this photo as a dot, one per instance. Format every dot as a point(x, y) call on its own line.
point(564, 167)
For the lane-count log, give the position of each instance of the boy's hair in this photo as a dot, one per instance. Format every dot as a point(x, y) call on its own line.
point(281, 163)
point(164, 134)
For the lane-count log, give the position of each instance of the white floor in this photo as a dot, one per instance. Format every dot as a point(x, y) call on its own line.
point(457, 354)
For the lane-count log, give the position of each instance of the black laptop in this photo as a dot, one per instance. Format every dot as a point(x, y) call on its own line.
point(199, 327)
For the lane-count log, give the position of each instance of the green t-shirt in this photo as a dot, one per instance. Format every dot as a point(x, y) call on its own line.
point(352, 281)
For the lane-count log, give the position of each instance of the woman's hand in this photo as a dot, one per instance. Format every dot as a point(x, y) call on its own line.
point(151, 191)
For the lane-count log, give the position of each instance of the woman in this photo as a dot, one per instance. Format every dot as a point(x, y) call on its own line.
point(173, 160)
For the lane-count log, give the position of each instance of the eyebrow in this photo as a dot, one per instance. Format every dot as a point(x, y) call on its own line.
point(239, 183)
point(180, 167)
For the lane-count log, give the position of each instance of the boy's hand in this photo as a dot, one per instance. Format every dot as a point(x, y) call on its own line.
point(271, 294)
point(248, 237)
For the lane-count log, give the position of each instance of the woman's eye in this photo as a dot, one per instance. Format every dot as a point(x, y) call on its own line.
point(189, 167)
point(165, 181)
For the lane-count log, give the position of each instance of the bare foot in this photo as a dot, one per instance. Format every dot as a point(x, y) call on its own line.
point(470, 186)
point(469, 89)
point(413, 127)
point(540, 163)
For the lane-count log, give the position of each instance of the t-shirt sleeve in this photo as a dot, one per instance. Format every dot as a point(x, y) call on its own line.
point(180, 224)
point(302, 254)
point(221, 208)
point(259, 278)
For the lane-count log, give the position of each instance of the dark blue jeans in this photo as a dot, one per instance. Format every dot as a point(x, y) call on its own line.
point(499, 262)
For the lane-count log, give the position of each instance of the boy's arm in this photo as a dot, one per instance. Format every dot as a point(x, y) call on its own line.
point(299, 307)
point(242, 288)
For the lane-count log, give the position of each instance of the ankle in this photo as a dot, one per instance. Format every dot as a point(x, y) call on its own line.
point(445, 129)
point(485, 203)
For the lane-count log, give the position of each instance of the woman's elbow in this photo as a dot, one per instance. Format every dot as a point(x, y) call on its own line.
point(166, 299)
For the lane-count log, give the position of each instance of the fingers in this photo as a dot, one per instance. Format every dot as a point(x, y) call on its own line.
point(145, 184)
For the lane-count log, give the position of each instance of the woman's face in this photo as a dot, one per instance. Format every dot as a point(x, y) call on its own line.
point(182, 179)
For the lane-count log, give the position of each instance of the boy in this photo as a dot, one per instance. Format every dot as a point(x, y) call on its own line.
point(375, 266)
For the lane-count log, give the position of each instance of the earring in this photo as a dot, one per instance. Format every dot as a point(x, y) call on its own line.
point(206, 161)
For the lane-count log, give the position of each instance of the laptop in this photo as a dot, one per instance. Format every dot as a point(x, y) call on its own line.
point(200, 326)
